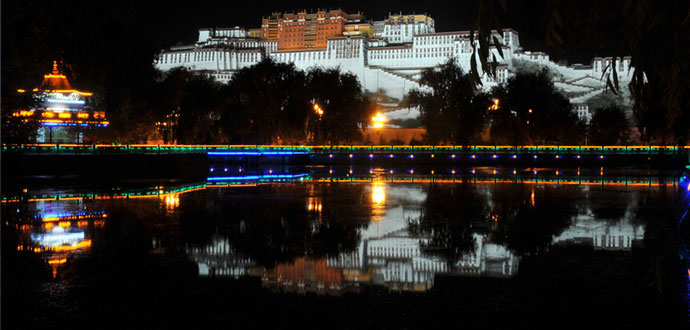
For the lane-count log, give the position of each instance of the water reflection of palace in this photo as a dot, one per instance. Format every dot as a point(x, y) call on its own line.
point(600, 234)
point(389, 255)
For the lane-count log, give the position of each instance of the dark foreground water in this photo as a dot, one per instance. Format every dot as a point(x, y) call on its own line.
point(479, 248)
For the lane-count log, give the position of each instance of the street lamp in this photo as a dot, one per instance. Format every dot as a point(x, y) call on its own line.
point(495, 105)
point(379, 120)
point(318, 110)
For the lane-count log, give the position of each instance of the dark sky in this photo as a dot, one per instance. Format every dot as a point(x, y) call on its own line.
point(177, 21)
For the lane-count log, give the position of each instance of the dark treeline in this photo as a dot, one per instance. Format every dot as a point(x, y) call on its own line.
point(654, 33)
point(267, 103)
point(527, 109)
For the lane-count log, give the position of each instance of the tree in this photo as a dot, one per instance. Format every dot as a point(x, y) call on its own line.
point(608, 126)
point(18, 129)
point(532, 110)
point(451, 109)
point(197, 100)
point(267, 103)
point(653, 32)
point(346, 110)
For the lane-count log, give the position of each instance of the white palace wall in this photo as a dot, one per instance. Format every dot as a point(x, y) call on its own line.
point(395, 68)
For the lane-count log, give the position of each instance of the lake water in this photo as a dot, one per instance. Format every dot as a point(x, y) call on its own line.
point(348, 248)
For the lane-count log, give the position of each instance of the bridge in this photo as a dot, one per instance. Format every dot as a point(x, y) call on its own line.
point(551, 155)
point(333, 150)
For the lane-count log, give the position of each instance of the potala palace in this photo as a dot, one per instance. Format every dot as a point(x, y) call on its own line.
point(386, 55)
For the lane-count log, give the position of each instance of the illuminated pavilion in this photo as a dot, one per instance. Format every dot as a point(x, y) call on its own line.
point(58, 106)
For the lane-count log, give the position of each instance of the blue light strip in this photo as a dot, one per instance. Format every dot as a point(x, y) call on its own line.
point(65, 101)
point(255, 153)
point(256, 177)
point(73, 124)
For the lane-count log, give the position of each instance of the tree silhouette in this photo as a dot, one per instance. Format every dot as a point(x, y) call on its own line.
point(653, 32)
point(532, 110)
point(452, 111)
point(608, 126)
point(346, 110)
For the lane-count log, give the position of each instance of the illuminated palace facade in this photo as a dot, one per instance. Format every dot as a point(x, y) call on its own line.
point(389, 54)
point(59, 107)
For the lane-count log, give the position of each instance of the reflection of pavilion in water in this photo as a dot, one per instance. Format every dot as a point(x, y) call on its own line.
point(388, 255)
point(59, 229)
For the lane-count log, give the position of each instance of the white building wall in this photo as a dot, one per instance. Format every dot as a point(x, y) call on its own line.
point(396, 69)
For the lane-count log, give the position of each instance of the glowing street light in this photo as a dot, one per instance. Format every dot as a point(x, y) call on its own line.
point(318, 110)
point(495, 105)
point(379, 120)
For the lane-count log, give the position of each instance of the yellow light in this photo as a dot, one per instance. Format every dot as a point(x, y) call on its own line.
point(57, 261)
point(379, 120)
point(48, 114)
point(21, 90)
point(83, 244)
point(495, 105)
point(530, 110)
point(65, 115)
point(378, 195)
point(83, 115)
point(64, 224)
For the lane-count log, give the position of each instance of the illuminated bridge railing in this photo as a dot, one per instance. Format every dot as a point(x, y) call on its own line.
point(76, 149)
point(504, 150)
point(161, 192)
point(146, 149)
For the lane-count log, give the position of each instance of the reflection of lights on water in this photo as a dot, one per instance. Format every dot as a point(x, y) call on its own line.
point(378, 194)
point(532, 197)
point(172, 201)
point(314, 204)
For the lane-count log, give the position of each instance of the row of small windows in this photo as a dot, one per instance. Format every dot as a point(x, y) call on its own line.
point(204, 56)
